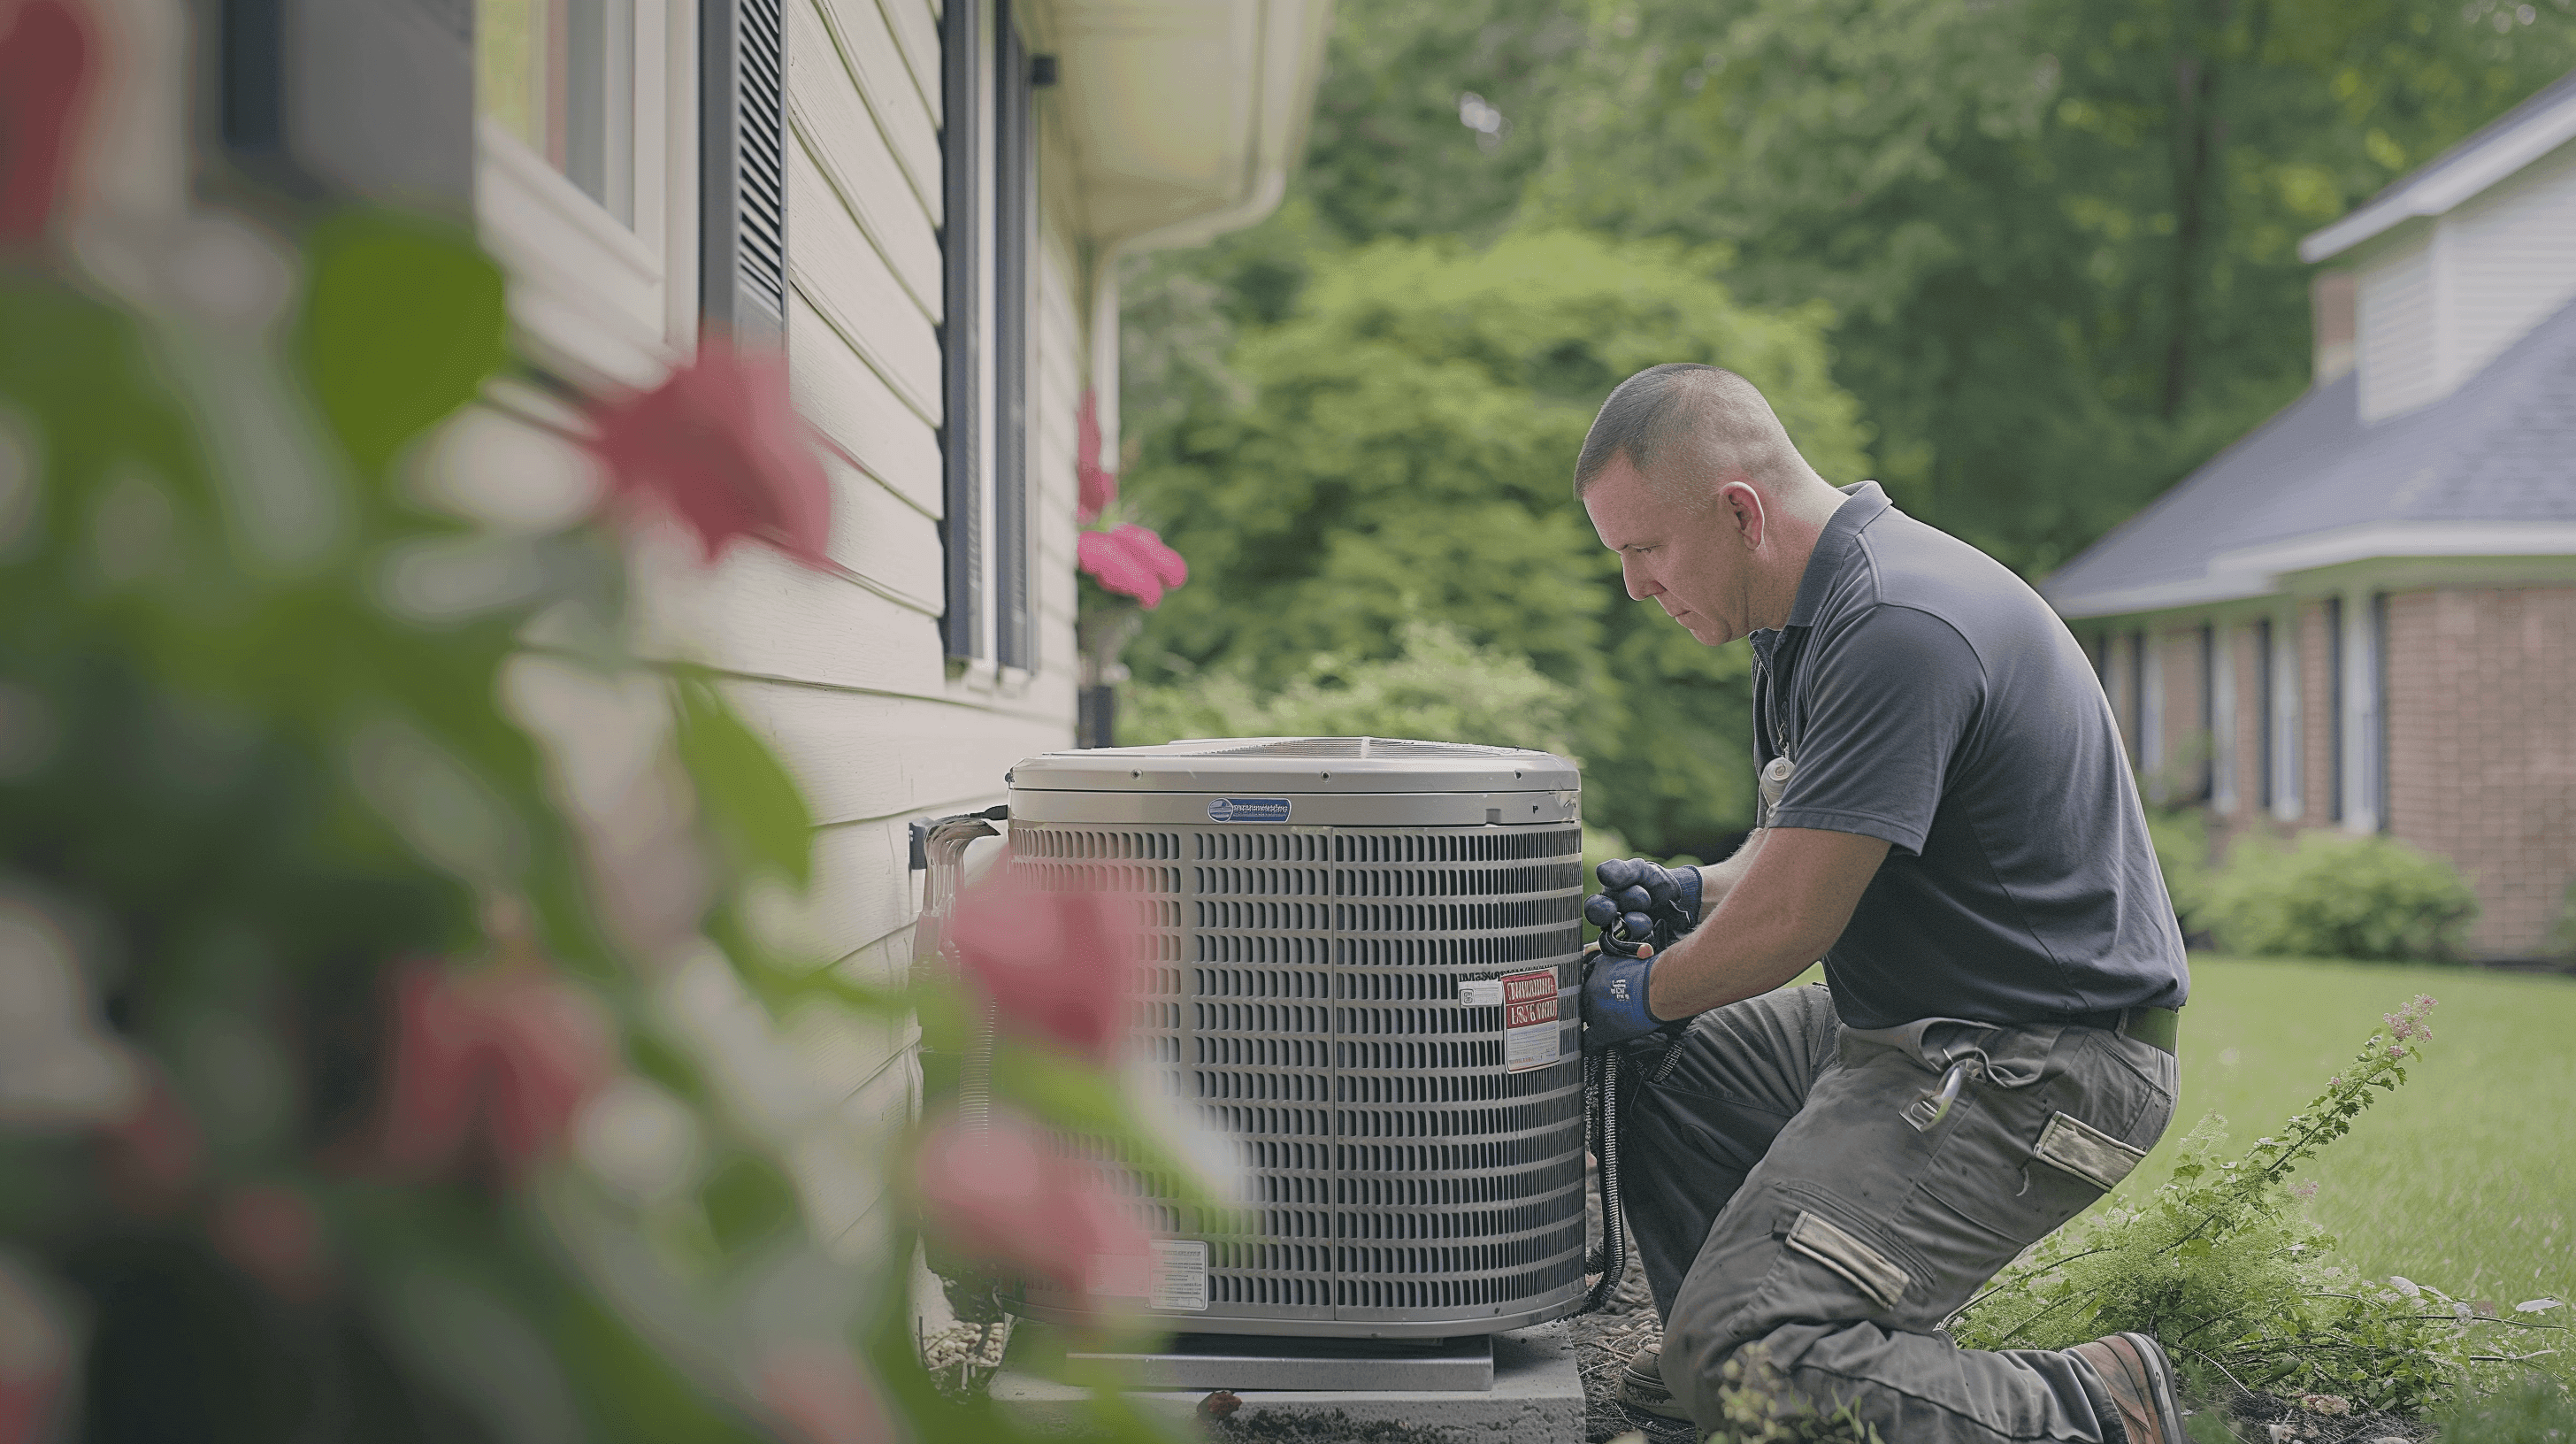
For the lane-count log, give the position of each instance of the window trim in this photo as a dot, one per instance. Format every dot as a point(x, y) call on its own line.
point(1015, 240)
point(961, 332)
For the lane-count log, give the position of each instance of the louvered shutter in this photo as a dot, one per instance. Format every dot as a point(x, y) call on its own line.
point(961, 242)
point(1014, 246)
point(742, 150)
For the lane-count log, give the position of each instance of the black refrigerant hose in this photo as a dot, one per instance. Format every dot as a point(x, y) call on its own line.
point(1601, 1135)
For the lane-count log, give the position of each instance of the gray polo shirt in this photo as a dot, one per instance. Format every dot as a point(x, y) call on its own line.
point(1926, 695)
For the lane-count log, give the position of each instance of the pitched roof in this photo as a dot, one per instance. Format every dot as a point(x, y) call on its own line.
point(2489, 470)
point(2504, 145)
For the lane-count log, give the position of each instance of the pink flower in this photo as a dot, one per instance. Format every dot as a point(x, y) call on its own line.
point(1099, 485)
point(153, 1154)
point(35, 1353)
point(274, 1235)
point(500, 1060)
point(721, 447)
point(818, 1392)
point(47, 59)
point(2304, 1191)
point(1058, 965)
point(1131, 561)
point(1003, 1194)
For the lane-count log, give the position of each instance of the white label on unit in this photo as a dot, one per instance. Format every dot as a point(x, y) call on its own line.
point(1180, 1275)
point(1481, 993)
point(1529, 1020)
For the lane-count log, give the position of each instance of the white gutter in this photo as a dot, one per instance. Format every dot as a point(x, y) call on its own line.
point(2479, 163)
point(2250, 572)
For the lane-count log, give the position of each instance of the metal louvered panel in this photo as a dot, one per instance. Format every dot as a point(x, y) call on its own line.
point(1406, 1182)
point(760, 109)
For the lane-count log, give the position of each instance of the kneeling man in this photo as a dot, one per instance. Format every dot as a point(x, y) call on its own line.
point(1949, 822)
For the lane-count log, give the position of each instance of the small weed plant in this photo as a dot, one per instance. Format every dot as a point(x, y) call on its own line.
point(1755, 1405)
point(2224, 1268)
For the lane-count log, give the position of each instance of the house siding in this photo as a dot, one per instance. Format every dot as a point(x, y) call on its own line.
point(2482, 764)
point(2510, 262)
point(2399, 351)
point(845, 671)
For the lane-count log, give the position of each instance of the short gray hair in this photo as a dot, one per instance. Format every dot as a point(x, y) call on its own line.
point(1708, 411)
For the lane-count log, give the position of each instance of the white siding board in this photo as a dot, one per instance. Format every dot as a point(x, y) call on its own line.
point(2398, 332)
point(865, 759)
point(761, 614)
point(915, 27)
point(856, 293)
point(909, 124)
point(2513, 253)
point(824, 105)
point(859, 415)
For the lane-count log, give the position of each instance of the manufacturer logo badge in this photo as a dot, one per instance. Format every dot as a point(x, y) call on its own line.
point(1248, 809)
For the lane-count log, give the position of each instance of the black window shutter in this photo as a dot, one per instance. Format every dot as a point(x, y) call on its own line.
point(961, 531)
point(1014, 243)
point(742, 159)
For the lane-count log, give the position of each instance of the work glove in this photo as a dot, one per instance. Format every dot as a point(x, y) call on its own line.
point(1642, 903)
point(1614, 999)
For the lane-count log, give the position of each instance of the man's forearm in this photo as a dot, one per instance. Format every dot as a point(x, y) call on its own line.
point(1779, 912)
point(1718, 879)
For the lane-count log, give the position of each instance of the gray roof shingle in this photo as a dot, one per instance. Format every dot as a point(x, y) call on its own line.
point(2500, 450)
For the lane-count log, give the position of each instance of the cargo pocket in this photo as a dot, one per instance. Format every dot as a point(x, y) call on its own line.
point(1849, 1255)
point(2087, 1152)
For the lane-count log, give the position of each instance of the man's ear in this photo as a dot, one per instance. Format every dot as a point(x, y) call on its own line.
point(1744, 508)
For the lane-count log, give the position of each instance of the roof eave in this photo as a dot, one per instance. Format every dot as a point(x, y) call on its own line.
point(2473, 166)
point(2251, 573)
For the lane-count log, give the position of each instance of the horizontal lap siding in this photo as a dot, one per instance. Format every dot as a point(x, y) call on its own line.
point(842, 671)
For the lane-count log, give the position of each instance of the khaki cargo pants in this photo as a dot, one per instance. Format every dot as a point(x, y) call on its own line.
point(1777, 1195)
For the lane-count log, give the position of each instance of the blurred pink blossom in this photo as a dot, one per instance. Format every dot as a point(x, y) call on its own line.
point(1001, 1194)
point(35, 1353)
point(2303, 1190)
point(1057, 965)
point(720, 445)
point(1131, 561)
point(1098, 484)
point(153, 1154)
point(48, 57)
point(821, 1396)
point(502, 1059)
point(274, 1234)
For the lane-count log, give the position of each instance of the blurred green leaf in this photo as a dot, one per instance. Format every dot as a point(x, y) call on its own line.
point(403, 321)
point(749, 797)
point(747, 1200)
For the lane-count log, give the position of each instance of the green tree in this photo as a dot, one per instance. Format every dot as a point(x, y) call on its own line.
point(1406, 457)
point(2058, 236)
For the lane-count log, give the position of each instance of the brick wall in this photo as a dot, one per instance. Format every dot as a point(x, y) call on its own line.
point(2185, 768)
point(2482, 747)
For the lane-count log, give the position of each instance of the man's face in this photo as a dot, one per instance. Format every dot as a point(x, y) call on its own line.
point(1692, 561)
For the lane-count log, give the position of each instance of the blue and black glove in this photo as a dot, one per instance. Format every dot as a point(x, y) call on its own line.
point(1645, 909)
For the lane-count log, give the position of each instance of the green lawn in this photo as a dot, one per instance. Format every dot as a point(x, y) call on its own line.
point(2465, 1178)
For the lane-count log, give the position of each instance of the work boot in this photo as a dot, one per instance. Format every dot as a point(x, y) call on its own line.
point(1641, 1386)
point(2139, 1383)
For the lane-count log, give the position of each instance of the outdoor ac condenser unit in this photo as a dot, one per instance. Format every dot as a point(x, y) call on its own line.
point(1364, 966)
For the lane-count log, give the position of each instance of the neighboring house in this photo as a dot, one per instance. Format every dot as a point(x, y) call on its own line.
point(926, 206)
point(2363, 615)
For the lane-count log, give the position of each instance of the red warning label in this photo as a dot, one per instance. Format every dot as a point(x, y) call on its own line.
point(1529, 1020)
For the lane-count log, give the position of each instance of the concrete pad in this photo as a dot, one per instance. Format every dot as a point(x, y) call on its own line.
point(1537, 1398)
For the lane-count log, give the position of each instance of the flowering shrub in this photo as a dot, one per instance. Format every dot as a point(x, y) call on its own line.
point(2242, 1288)
point(388, 1031)
point(2336, 895)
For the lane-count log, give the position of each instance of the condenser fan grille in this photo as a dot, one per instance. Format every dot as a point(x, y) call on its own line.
point(1408, 1178)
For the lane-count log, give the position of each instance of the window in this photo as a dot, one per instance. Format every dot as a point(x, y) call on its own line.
point(2374, 700)
point(989, 153)
point(571, 191)
point(2218, 714)
point(2288, 753)
point(559, 76)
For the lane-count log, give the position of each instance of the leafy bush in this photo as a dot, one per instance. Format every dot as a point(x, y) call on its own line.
point(2334, 895)
point(2242, 1288)
point(2181, 838)
point(1439, 687)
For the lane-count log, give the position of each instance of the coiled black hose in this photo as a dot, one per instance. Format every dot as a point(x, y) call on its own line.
point(1601, 1135)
